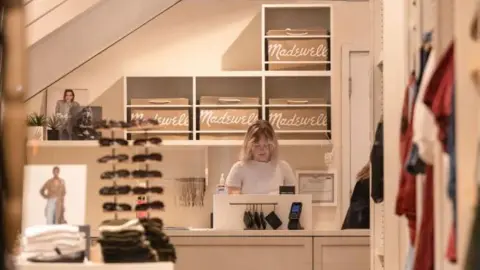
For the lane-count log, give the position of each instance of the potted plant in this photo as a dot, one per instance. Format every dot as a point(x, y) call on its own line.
point(35, 122)
point(54, 123)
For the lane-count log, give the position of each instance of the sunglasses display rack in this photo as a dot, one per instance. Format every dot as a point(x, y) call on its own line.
point(145, 158)
point(141, 207)
point(113, 148)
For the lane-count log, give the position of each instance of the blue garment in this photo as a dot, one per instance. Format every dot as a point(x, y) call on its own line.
point(452, 181)
point(50, 210)
point(410, 258)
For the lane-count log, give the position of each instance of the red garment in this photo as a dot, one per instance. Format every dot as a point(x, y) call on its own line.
point(406, 196)
point(452, 247)
point(438, 98)
point(425, 248)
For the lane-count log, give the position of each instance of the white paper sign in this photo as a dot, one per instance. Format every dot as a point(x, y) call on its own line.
point(320, 184)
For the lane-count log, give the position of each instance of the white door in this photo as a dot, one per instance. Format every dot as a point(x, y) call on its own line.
point(357, 126)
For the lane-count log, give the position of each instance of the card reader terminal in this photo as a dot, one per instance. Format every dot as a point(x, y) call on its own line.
point(294, 216)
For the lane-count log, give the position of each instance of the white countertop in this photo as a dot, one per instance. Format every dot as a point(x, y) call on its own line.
point(95, 266)
point(269, 233)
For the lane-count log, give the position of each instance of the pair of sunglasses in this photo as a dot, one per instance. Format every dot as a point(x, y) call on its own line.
point(112, 141)
point(115, 174)
point(146, 174)
point(115, 190)
point(111, 207)
point(142, 122)
point(108, 124)
point(156, 205)
point(145, 157)
point(108, 158)
point(144, 190)
point(153, 140)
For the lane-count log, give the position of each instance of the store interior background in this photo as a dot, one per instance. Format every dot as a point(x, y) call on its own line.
point(224, 36)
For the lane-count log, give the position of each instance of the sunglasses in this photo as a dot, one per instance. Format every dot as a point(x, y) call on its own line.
point(119, 158)
point(154, 140)
point(142, 122)
point(112, 207)
point(156, 205)
point(146, 174)
point(110, 141)
point(143, 190)
point(115, 190)
point(114, 174)
point(145, 157)
point(108, 124)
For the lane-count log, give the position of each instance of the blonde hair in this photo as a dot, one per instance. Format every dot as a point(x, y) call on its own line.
point(259, 129)
point(364, 173)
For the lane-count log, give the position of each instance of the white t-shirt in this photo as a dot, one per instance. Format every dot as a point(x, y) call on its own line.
point(255, 177)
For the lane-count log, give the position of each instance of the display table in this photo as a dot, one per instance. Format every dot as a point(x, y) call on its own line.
point(95, 266)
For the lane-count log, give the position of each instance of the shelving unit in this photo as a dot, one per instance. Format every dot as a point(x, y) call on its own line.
point(296, 97)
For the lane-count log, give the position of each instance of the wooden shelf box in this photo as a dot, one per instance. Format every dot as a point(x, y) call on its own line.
point(224, 122)
point(296, 37)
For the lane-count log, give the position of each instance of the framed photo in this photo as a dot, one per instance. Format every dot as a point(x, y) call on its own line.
point(54, 194)
point(320, 184)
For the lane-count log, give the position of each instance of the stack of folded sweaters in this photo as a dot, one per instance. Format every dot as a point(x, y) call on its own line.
point(159, 241)
point(54, 243)
point(135, 240)
point(124, 241)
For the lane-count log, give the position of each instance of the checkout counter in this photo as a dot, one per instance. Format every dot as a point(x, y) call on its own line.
point(231, 245)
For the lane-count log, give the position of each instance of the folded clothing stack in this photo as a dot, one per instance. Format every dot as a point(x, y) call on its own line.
point(54, 243)
point(159, 241)
point(124, 241)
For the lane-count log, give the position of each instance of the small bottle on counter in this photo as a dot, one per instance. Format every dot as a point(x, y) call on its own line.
point(221, 189)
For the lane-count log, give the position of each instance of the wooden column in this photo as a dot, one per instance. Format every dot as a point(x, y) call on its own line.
point(467, 59)
point(14, 118)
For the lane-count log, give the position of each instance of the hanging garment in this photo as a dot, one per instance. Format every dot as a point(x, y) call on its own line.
point(425, 246)
point(358, 214)
point(410, 258)
point(376, 163)
point(406, 197)
point(421, 152)
point(452, 182)
point(439, 99)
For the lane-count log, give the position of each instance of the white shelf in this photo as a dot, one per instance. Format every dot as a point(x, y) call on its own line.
point(158, 131)
point(267, 73)
point(319, 73)
point(297, 37)
point(295, 6)
point(229, 106)
point(301, 131)
point(178, 143)
point(159, 106)
point(296, 62)
point(221, 131)
point(297, 105)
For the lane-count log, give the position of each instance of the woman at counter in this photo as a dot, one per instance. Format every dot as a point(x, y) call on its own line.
point(259, 171)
